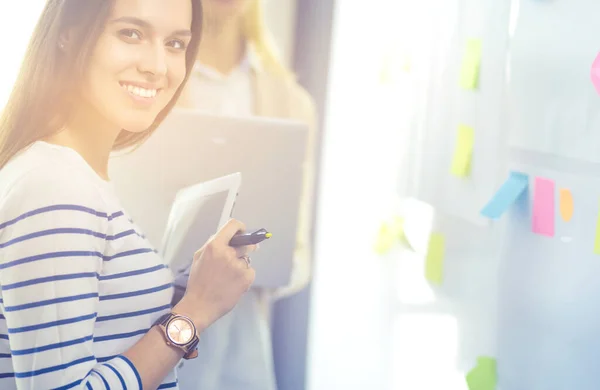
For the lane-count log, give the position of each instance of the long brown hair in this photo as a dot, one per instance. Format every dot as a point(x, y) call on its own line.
point(39, 103)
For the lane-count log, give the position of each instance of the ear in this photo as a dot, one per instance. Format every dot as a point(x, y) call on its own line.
point(66, 38)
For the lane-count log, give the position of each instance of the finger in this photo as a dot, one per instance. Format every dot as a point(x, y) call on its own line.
point(230, 229)
point(244, 250)
point(250, 276)
point(241, 265)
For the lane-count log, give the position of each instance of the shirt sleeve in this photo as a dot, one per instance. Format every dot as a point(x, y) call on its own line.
point(52, 238)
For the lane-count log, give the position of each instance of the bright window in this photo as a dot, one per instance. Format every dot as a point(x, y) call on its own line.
point(17, 21)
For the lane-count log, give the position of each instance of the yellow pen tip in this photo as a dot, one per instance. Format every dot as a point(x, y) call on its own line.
point(268, 235)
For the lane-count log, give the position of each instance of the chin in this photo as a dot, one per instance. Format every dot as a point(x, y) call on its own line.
point(137, 126)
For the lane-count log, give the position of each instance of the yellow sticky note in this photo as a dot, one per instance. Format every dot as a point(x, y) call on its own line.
point(461, 163)
point(434, 263)
point(390, 233)
point(385, 239)
point(484, 375)
point(397, 227)
point(469, 72)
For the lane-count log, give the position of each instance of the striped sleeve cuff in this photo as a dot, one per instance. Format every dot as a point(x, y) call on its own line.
point(120, 373)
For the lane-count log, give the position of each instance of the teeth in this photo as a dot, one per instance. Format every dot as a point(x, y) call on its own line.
point(142, 92)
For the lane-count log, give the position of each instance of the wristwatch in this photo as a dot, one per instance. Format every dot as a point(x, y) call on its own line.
point(180, 332)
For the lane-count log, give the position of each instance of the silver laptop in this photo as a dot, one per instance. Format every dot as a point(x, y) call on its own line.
point(190, 147)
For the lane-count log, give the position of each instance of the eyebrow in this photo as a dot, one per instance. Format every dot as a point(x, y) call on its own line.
point(144, 24)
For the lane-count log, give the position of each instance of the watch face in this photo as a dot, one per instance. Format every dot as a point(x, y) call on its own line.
point(180, 331)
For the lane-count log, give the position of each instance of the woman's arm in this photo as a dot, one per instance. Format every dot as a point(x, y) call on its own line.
point(152, 357)
point(51, 258)
point(52, 244)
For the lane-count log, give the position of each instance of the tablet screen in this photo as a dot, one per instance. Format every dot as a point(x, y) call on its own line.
point(193, 220)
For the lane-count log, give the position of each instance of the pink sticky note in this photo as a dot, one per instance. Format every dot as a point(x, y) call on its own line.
point(596, 73)
point(543, 207)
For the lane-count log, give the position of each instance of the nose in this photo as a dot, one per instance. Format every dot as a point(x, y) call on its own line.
point(153, 60)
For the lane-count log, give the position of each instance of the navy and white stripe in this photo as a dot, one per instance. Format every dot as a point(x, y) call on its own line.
point(79, 282)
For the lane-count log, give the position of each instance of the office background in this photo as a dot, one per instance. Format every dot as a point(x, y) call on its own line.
point(385, 77)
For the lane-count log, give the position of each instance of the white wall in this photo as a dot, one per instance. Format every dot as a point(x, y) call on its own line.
point(375, 322)
point(526, 299)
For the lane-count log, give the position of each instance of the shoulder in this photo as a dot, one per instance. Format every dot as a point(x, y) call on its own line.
point(301, 97)
point(288, 91)
point(38, 178)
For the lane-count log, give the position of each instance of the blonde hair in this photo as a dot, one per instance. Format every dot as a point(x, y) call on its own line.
point(257, 33)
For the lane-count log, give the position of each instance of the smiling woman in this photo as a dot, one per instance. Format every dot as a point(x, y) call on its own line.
point(84, 298)
point(100, 50)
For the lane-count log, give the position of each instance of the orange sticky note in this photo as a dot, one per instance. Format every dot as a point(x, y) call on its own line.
point(566, 204)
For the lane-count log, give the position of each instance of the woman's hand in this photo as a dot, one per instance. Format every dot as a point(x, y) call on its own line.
point(219, 276)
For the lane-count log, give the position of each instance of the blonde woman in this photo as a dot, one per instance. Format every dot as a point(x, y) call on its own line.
point(239, 73)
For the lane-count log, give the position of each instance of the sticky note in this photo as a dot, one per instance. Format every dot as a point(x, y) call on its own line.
point(469, 72)
point(596, 73)
point(434, 262)
point(597, 239)
point(514, 187)
point(397, 228)
point(385, 239)
point(484, 375)
point(542, 221)
point(566, 204)
point(461, 163)
point(390, 233)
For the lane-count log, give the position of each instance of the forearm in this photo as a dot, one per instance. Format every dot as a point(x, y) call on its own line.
point(153, 358)
point(151, 355)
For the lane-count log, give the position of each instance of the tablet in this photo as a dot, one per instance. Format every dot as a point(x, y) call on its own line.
point(197, 213)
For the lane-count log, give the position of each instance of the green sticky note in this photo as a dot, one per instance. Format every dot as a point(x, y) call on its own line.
point(597, 239)
point(461, 163)
point(469, 72)
point(484, 375)
point(434, 263)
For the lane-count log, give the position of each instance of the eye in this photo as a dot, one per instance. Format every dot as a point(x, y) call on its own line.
point(177, 44)
point(131, 34)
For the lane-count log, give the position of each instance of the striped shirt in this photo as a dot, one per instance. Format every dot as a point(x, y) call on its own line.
point(79, 282)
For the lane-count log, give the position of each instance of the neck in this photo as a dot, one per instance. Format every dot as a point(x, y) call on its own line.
point(91, 139)
point(223, 45)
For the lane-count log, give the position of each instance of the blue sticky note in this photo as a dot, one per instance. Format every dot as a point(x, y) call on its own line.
point(507, 195)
